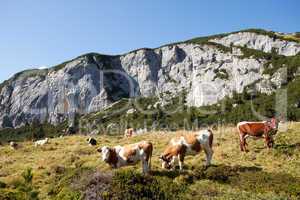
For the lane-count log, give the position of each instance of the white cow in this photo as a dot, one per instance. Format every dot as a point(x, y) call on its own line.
point(41, 142)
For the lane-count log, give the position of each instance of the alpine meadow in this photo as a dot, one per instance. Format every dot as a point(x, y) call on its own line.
point(211, 117)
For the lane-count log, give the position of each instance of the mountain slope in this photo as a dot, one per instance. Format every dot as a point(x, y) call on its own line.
point(205, 69)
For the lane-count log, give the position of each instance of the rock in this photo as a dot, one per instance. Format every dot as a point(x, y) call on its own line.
point(6, 122)
point(94, 132)
point(298, 72)
point(156, 105)
point(279, 78)
point(259, 42)
point(131, 111)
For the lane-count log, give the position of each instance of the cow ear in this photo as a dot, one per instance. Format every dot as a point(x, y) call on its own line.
point(99, 150)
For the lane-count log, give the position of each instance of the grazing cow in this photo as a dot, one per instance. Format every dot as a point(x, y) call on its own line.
point(191, 143)
point(119, 156)
point(41, 142)
point(129, 132)
point(92, 141)
point(264, 129)
point(13, 145)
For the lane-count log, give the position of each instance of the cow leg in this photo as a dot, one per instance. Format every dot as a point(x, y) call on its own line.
point(272, 142)
point(180, 161)
point(209, 153)
point(245, 146)
point(241, 146)
point(172, 163)
point(269, 141)
point(243, 142)
point(145, 166)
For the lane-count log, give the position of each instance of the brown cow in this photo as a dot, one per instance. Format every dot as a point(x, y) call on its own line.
point(264, 129)
point(119, 156)
point(187, 144)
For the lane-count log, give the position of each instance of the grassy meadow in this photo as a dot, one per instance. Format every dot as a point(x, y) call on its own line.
point(68, 168)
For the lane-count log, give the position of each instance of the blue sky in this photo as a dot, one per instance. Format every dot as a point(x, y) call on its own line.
point(35, 33)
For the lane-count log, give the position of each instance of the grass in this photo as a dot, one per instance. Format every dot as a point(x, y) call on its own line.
point(67, 168)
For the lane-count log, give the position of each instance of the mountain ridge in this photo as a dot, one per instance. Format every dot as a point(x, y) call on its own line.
point(195, 39)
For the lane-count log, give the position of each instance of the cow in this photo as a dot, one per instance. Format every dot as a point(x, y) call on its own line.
point(263, 129)
point(13, 145)
point(41, 142)
point(92, 141)
point(129, 132)
point(188, 144)
point(119, 156)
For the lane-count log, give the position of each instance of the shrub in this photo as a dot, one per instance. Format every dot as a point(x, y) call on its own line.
point(67, 194)
point(221, 74)
point(132, 185)
point(2, 184)
point(23, 188)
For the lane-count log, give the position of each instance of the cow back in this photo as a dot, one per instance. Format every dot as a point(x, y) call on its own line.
point(252, 128)
point(192, 142)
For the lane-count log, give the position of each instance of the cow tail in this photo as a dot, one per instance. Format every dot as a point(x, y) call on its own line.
point(149, 162)
point(210, 139)
point(150, 156)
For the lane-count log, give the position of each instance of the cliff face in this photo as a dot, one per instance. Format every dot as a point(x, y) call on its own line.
point(260, 42)
point(207, 72)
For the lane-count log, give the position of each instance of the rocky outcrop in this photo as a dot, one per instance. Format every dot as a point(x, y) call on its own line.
point(260, 42)
point(92, 82)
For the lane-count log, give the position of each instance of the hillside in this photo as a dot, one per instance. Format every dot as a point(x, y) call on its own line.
point(200, 72)
point(68, 168)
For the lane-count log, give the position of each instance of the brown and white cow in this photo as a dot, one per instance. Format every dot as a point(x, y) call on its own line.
point(129, 132)
point(188, 144)
point(13, 145)
point(119, 156)
point(264, 129)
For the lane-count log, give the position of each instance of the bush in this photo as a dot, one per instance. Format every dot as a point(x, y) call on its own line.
point(132, 185)
point(67, 194)
point(2, 184)
point(23, 189)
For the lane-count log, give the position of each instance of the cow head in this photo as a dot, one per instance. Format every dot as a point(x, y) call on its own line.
point(89, 140)
point(273, 125)
point(108, 154)
point(165, 162)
